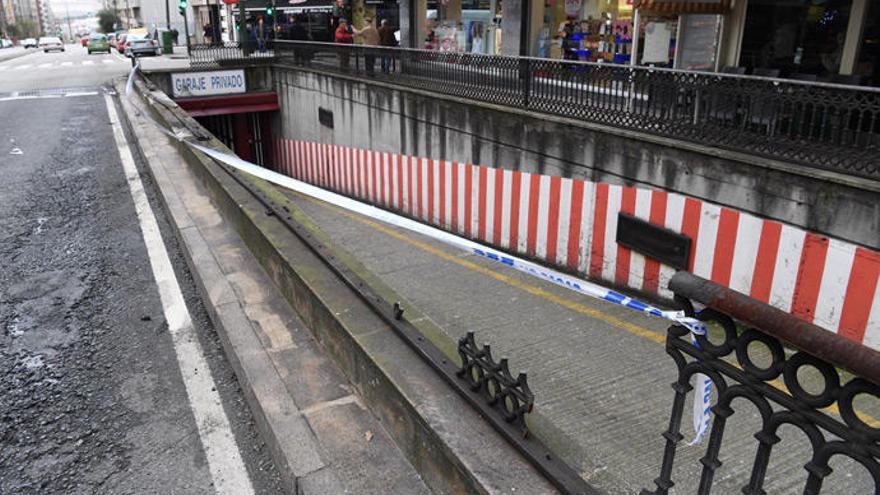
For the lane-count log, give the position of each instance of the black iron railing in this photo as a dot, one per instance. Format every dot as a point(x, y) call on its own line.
point(227, 54)
point(828, 126)
point(739, 373)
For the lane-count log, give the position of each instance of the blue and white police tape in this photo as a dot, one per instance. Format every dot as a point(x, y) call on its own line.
point(695, 326)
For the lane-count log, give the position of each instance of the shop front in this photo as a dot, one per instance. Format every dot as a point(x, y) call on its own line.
point(648, 32)
point(472, 26)
point(809, 40)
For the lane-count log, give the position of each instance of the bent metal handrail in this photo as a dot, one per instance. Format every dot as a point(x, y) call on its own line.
point(839, 351)
point(736, 375)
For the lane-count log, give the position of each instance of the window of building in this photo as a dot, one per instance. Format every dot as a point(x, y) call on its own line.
point(795, 36)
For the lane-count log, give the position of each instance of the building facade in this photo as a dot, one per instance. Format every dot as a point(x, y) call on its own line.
point(833, 40)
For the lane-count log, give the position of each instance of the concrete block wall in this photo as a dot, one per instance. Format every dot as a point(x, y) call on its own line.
point(552, 191)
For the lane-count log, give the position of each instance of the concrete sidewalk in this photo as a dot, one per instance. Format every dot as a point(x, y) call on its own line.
point(599, 372)
point(15, 52)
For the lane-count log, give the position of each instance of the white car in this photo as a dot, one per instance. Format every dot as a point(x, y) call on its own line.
point(136, 46)
point(5, 43)
point(29, 43)
point(51, 43)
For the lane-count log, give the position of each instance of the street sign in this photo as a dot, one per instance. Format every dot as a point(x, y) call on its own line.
point(221, 82)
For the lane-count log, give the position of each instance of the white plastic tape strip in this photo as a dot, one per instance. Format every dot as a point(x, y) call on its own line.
point(695, 326)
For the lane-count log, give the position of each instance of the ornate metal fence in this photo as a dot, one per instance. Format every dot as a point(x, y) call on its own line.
point(796, 404)
point(227, 54)
point(821, 125)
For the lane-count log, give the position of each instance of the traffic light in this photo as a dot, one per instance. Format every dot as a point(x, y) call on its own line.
point(270, 10)
point(181, 5)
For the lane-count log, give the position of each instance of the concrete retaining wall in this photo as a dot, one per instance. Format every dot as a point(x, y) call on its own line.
point(420, 123)
point(572, 223)
point(800, 239)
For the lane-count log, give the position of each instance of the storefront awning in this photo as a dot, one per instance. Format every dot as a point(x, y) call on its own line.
point(684, 6)
point(297, 6)
point(229, 104)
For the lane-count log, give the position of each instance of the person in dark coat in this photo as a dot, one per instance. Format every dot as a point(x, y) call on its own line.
point(386, 39)
point(298, 32)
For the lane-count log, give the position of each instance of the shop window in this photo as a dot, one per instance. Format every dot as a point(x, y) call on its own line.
point(587, 30)
point(795, 37)
point(464, 26)
point(868, 64)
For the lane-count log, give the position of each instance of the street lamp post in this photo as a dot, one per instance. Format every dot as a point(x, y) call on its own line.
point(182, 7)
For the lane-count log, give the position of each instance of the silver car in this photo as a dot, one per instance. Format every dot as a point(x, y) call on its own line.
point(137, 46)
point(51, 43)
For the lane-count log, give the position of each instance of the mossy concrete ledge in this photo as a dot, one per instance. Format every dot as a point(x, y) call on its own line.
point(448, 443)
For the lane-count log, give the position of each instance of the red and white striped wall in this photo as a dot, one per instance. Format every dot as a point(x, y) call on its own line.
point(573, 223)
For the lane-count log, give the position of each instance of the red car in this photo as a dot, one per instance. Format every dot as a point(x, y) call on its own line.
point(120, 42)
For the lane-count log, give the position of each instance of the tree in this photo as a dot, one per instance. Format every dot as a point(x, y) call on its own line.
point(107, 20)
point(24, 29)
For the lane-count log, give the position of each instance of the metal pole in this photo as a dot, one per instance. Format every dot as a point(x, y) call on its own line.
point(635, 47)
point(186, 32)
point(244, 42)
point(167, 15)
point(69, 29)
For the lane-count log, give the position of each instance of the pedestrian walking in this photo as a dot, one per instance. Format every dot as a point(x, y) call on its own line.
point(208, 34)
point(343, 36)
point(386, 39)
point(298, 32)
point(369, 37)
point(260, 33)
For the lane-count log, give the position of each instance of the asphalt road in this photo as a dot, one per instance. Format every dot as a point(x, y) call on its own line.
point(92, 399)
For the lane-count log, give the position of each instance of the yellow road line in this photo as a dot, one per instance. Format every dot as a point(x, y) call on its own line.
point(549, 296)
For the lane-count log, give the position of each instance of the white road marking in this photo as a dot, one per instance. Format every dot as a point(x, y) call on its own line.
point(120, 57)
point(107, 61)
point(45, 66)
point(88, 62)
point(30, 97)
point(224, 460)
point(66, 64)
point(22, 67)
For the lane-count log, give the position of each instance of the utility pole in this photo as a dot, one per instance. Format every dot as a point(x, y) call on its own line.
point(167, 15)
point(69, 29)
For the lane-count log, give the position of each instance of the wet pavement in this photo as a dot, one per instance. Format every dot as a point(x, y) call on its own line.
point(91, 396)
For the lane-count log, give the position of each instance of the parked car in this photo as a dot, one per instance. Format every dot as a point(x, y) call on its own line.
point(137, 46)
point(84, 41)
point(48, 43)
point(98, 43)
point(5, 43)
point(113, 39)
point(29, 43)
point(120, 42)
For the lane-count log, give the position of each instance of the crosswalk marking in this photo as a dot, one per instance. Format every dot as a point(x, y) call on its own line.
point(59, 64)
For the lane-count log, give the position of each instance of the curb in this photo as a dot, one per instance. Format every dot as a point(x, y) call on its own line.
point(291, 442)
